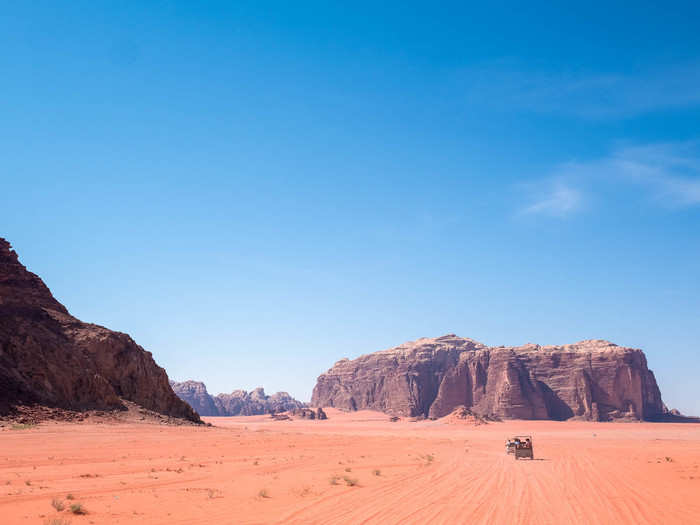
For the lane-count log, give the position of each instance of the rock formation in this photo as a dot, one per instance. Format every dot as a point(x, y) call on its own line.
point(50, 358)
point(593, 380)
point(309, 413)
point(237, 403)
point(195, 394)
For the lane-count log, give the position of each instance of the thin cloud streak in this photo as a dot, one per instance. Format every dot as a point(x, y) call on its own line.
point(559, 200)
point(590, 96)
point(669, 172)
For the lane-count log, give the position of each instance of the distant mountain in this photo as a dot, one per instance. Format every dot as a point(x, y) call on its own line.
point(50, 358)
point(593, 380)
point(237, 403)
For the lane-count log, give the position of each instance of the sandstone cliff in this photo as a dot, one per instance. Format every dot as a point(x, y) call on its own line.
point(237, 403)
point(49, 357)
point(594, 380)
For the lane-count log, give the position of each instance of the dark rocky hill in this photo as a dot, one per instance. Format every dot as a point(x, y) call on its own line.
point(50, 358)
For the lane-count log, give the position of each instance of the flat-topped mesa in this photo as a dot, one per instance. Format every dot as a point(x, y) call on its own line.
point(594, 380)
point(49, 357)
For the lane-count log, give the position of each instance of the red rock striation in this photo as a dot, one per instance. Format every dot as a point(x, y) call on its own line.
point(237, 403)
point(50, 358)
point(593, 380)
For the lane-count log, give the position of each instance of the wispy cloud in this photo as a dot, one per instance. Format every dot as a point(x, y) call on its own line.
point(671, 170)
point(668, 173)
point(580, 94)
point(554, 198)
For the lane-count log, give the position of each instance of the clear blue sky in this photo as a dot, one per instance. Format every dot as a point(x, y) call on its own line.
point(256, 191)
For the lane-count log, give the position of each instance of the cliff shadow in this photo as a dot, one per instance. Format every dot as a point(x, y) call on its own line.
point(673, 418)
point(556, 407)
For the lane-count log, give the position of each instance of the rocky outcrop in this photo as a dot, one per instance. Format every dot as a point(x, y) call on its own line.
point(309, 413)
point(242, 403)
point(50, 358)
point(195, 394)
point(237, 403)
point(593, 380)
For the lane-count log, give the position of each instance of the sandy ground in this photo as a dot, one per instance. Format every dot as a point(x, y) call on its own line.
point(254, 470)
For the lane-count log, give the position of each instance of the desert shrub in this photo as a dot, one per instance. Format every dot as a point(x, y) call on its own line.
point(77, 508)
point(333, 480)
point(377, 472)
point(22, 426)
point(428, 458)
point(57, 504)
point(70, 496)
point(57, 521)
point(263, 493)
point(348, 469)
point(350, 482)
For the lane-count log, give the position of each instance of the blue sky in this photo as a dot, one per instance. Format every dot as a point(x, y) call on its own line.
point(254, 192)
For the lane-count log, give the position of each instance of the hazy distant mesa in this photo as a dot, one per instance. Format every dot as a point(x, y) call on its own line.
point(237, 403)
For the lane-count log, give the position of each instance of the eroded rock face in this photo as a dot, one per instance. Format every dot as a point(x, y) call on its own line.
point(237, 403)
point(195, 394)
point(305, 413)
point(593, 380)
point(49, 357)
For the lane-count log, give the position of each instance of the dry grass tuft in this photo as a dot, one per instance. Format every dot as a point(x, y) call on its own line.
point(22, 426)
point(428, 458)
point(350, 482)
point(57, 504)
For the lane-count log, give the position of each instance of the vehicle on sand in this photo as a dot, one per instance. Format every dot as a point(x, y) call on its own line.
point(520, 447)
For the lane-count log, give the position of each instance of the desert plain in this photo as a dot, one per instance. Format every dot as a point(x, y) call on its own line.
point(356, 467)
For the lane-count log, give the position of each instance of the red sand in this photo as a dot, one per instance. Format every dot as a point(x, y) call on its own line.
point(254, 470)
